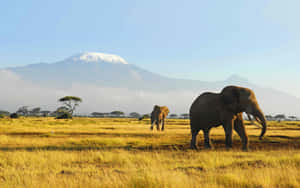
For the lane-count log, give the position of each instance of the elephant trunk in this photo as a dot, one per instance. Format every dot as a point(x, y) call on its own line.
point(258, 114)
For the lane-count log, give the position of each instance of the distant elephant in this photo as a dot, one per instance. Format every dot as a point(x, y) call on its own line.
point(158, 116)
point(226, 108)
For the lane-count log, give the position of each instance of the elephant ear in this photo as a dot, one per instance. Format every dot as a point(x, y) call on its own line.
point(230, 97)
point(167, 111)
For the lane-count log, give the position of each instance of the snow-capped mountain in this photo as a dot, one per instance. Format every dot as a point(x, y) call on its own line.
point(128, 84)
point(104, 70)
point(97, 57)
point(88, 68)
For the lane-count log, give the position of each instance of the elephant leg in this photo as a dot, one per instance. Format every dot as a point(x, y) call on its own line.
point(162, 124)
point(152, 123)
point(206, 138)
point(240, 129)
point(194, 139)
point(228, 133)
point(157, 125)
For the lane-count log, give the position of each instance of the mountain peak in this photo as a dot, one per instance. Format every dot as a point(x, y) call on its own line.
point(98, 57)
point(237, 79)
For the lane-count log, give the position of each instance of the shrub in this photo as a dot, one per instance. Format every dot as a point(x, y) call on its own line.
point(65, 115)
point(14, 115)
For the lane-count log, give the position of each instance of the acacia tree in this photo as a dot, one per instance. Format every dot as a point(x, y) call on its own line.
point(70, 102)
point(134, 115)
point(23, 110)
point(4, 113)
point(117, 113)
point(35, 111)
point(269, 117)
point(280, 116)
point(45, 113)
point(173, 116)
point(98, 114)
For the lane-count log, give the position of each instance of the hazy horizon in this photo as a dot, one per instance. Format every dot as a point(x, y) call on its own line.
point(106, 83)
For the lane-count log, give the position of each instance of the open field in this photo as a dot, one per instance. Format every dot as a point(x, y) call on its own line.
point(91, 152)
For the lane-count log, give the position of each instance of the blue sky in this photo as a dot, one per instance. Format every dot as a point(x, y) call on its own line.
point(200, 39)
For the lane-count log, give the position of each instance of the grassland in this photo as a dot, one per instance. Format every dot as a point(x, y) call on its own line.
point(90, 152)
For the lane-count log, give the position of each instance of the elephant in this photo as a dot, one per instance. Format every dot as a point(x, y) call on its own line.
point(225, 108)
point(158, 116)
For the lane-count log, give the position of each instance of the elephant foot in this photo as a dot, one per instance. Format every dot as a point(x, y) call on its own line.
point(193, 146)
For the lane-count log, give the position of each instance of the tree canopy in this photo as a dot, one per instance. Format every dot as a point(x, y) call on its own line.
point(70, 102)
point(45, 112)
point(35, 111)
point(4, 112)
point(70, 98)
point(186, 116)
point(134, 114)
point(117, 113)
point(280, 116)
point(23, 110)
point(173, 115)
point(99, 114)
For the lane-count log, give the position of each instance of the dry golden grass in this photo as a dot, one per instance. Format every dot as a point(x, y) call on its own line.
point(90, 152)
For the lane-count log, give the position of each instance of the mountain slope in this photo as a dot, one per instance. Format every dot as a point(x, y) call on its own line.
point(89, 69)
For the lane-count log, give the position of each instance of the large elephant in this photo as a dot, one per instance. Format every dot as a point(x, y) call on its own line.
point(226, 108)
point(158, 116)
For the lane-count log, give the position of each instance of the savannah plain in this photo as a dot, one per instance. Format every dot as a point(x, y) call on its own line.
point(104, 152)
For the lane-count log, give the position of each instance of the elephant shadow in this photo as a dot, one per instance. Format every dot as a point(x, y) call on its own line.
point(273, 142)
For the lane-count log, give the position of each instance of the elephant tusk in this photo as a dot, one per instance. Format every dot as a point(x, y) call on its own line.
point(255, 124)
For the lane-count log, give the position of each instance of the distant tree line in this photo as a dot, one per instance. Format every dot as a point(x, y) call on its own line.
point(70, 103)
point(281, 117)
point(63, 110)
point(67, 112)
point(121, 114)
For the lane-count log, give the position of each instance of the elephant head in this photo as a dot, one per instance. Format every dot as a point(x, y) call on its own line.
point(238, 99)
